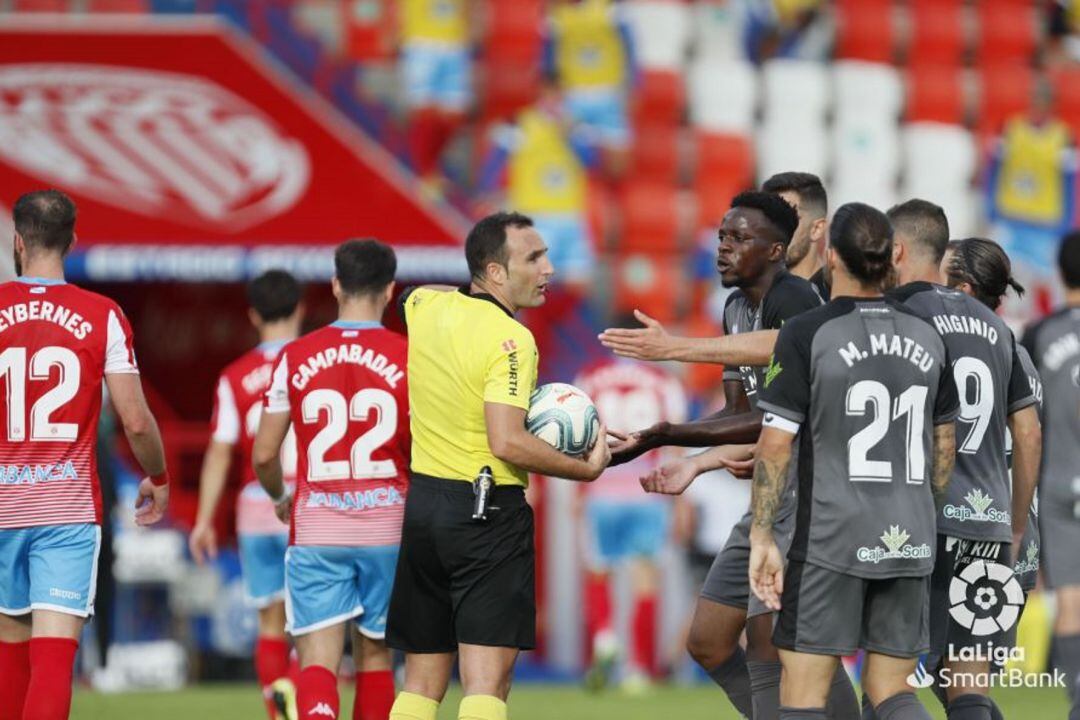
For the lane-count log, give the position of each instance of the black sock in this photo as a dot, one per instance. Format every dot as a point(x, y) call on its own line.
point(765, 683)
point(902, 706)
point(733, 677)
point(970, 707)
point(787, 713)
point(1067, 659)
point(842, 703)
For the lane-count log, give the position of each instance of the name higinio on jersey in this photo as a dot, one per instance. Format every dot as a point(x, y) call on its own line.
point(375, 498)
point(894, 345)
point(947, 324)
point(896, 548)
point(353, 354)
point(66, 318)
point(33, 474)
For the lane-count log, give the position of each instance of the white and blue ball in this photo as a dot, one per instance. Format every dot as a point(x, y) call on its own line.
point(564, 417)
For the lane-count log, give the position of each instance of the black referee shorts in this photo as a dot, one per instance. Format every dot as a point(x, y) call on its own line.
point(460, 581)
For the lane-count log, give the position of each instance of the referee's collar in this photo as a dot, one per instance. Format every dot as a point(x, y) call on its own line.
point(464, 290)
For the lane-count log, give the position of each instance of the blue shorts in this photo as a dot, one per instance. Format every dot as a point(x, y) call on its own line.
point(622, 530)
point(436, 75)
point(325, 585)
point(569, 242)
point(49, 567)
point(602, 114)
point(262, 563)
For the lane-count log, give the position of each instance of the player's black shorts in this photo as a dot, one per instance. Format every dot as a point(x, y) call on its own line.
point(975, 599)
point(460, 581)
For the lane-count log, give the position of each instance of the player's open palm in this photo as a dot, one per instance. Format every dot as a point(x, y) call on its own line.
point(203, 543)
point(670, 478)
point(151, 504)
point(767, 573)
point(651, 342)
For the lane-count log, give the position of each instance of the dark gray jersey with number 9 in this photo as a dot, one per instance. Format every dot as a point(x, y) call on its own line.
point(991, 384)
point(864, 381)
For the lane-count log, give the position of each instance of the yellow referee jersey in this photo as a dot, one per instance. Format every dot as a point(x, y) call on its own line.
point(464, 350)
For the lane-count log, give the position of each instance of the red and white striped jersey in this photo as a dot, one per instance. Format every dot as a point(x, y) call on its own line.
point(238, 405)
point(345, 389)
point(57, 342)
point(631, 396)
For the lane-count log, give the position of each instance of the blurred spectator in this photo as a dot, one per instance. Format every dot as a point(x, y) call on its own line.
point(1031, 182)
point(1064, 29)
point(796, 29)
point(623, 524)
point(537, 166)
point(589, 51)
point(436, 69)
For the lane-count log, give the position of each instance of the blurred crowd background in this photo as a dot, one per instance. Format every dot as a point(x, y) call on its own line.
point(623, 128)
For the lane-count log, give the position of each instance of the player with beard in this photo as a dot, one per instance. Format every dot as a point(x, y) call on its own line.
point(975, 520)
point(1054, 344)
point(806, 194)
point(754, 237)
point(845, 383)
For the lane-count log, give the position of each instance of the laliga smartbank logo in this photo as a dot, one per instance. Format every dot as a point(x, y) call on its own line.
point(986, 599)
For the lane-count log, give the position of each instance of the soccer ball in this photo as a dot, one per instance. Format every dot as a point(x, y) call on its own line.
point(564, 417)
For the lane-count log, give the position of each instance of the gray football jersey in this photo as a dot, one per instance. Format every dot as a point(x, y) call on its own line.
point(863, 381)
point(1027, 562)
point(991, 385)
point(1054, 344)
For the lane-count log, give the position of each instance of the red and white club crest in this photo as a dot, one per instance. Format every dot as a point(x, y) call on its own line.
point(165, 145)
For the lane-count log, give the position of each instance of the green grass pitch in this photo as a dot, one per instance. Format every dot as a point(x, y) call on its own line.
point(527, 702)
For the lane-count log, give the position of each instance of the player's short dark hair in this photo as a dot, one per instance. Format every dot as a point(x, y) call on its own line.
point(486, 241)
point(1069, 259)
point(863, 238)
point(925, 224)
point(776, 209)
point(274, 295)
point(985, 266)
point(364, 267)
point(45, 220)
point(811, 192)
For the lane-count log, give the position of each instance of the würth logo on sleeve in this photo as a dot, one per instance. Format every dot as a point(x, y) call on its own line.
point(509, 346)
point(164, 145)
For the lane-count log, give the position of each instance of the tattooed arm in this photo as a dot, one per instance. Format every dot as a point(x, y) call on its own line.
point(770, 474)
point(944, 459)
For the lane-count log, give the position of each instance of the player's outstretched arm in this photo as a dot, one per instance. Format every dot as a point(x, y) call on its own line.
point(944, 459)
point(1027, 454)
point(770, 472)
point(141, 430)
point(512, 443)
point(674, 477)
point(653, 342)
point(212, 479)
point(266, 459)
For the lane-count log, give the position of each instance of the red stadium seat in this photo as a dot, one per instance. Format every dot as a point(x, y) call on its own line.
point(655, 153)
point(659, 98)
point(937, 33)
point(865, 31)
point(935, 94)
point(47, 6)
point(1004, 91)
point(1007, 31)
point(514, 33)
point(650, 217)
point(1066, 83)
point(653, 283)
point(725, 168)
point(118, 6)
point(507, 88)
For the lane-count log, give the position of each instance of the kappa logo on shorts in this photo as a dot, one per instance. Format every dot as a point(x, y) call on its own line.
point(896, 548)
point(920, 678)
point(980, 509)
point(985, 598)
point(322, 709)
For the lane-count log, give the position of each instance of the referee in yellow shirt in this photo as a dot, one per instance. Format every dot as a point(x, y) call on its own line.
point(465, 586)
